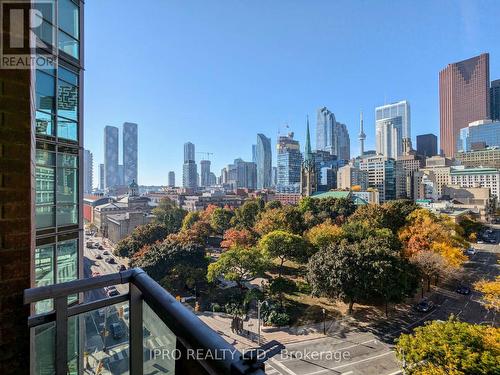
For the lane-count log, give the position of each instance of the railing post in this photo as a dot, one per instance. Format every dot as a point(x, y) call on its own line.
point(136, 335)
point(61, 355)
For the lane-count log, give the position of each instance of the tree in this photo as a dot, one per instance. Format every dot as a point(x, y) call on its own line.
point(323, 235)
point(316, 211)
point(284, 246)
point(272, 204)
point(246, 215)
point(141, 236)
point(221, 220)
point(287, 218)
point(237, 237)
point(190, 219)
point(238, 264)
point(364, 271)
point(450, 347)
point(176, 262)
point(168, 213)
point(491, 292)
point(432, 265)
point(471, 227)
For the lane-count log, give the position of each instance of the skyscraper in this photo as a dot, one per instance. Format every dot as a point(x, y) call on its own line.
point(482, 132)
point(129, 153)
point(392, 126)
point(332, 136)
point(111, 177)
point(427, 145)
point(289, 164)
point(381, 175)
point(361, 136)
point(189, 169)
point(463, 98)
point(205, 172)
point(88, 172)
point(171, 179)
point(101, 176)
point(254, 153)
point(264, 162)
point(495, 100)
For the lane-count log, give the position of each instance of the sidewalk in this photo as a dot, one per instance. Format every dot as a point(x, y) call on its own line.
point(285, 335)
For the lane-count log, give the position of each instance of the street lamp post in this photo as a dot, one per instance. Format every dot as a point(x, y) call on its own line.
point(324, 321)
point(259, 305)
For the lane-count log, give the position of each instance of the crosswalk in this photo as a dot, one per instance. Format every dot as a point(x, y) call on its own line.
point(121, 353)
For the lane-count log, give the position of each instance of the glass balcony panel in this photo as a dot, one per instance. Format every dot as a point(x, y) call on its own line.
point(159, 344)
point(44, 124)
point(106, 340)
point(68, 17)
point(67, 100)
point(44, 349)
point(67, 129)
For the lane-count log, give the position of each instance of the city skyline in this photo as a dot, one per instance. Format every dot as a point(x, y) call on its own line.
point(228, 96)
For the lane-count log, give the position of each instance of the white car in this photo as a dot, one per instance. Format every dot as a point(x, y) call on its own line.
point(471, 251)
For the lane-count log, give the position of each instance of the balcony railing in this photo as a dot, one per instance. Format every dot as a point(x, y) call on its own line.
point(143, 330)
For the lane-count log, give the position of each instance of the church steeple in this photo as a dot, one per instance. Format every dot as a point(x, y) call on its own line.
point(308, 182)
point(307, 152)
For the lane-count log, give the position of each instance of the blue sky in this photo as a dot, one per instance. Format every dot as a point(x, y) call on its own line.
point(218, 72)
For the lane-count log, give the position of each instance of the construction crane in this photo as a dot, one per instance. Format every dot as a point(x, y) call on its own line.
point(205, 153)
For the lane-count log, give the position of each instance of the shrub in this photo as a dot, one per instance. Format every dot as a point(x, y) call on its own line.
point(278, 318)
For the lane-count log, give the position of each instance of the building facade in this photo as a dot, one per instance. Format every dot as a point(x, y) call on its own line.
point(332, 136)
point(171, 179)
point(427, 145)
point(495, 100)
point(289, 160)
point(264, 162)
point(101, 176)
point(463, 98)
point(486, 157)
point(41, 139)
point(88, 172)
point(466, 177)
point(349, 176)
point(129, 153)
point(381, 175)
point(485, 132)
point(111, 174)
point(189, 168)
point(204, 173)
point(392, 125)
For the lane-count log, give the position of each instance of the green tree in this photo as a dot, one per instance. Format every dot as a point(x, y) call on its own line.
point(323, 235)
point(141, 236)
point(246, 215)
point(450, 347)
point(284, 246)
point(316, 211)
point(273, 204)
point(177, 262)
point(221, 220)
point(287, 218)
point(238, 264)
point(364, 271)
point(190, 219)
point(168, 213)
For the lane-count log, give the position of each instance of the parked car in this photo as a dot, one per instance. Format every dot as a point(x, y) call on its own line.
point(121, 267)
point(89, 245)
point(105, 252)
point(96, 244)
point(101, 247)
point(116, 330)
point(480, 241)
point(425, 306)
point(98, 256)
point(111, 291)
point(110, 260)
point(95, 274)
point(462, 289)
point(492, 240)
point(470, 251)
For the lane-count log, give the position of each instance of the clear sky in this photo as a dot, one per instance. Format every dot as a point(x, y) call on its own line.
point(218, 72)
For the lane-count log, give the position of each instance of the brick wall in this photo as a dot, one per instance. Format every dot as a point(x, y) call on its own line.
point(16, 218)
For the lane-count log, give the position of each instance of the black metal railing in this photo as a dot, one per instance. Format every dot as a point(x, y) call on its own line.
point(213, 354)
